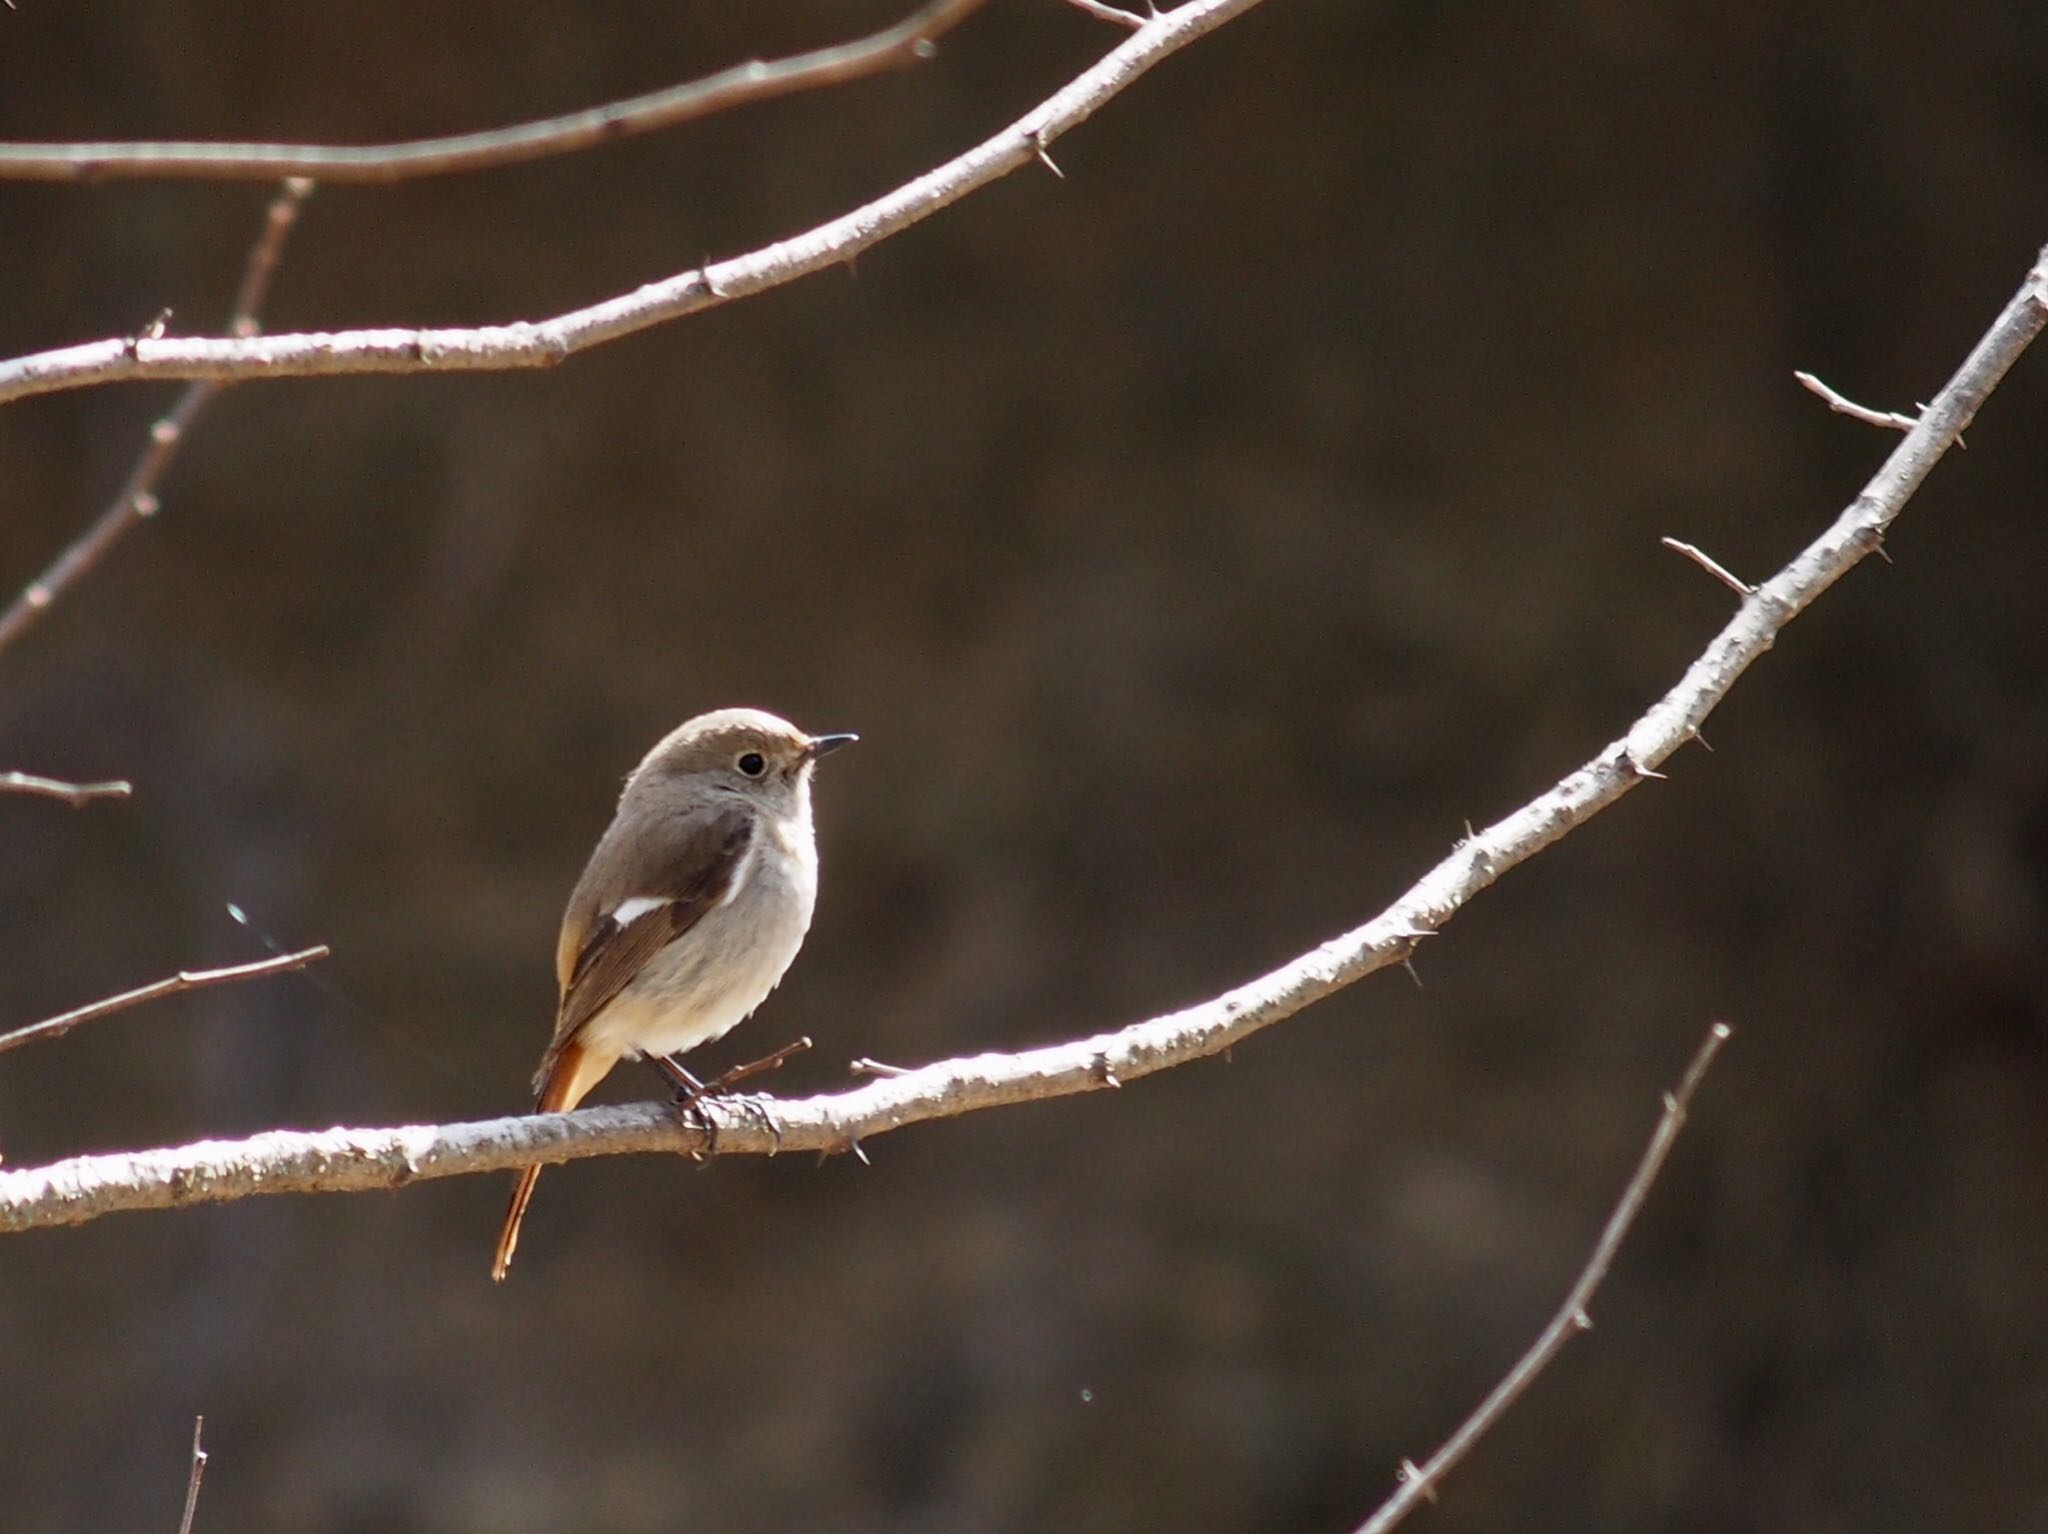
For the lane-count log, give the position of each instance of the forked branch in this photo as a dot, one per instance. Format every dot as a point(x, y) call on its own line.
point(544, 343)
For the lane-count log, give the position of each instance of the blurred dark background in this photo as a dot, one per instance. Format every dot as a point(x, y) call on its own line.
point(1197, 542)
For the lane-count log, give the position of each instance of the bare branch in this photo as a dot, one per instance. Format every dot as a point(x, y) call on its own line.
point(136, 502)
point(355, 1160)
point(908, 42)
point(1713, 567)
point(1573, 1317)
point(184, 980)
point(1843, 405)
point(77, 795)
point(545, 343)
point(192, 1481)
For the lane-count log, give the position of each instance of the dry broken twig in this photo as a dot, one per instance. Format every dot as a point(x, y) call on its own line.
point(352, 1160)
point(1114, 15)
point(77, 795)
point(136, 501)
point(907, 42)
point(1711, 565)
point(545, 343)
point(1891, 420)
point(184, 980)
point(1573, 1317)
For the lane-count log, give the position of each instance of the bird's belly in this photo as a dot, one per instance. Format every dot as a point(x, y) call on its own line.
point(709, 979)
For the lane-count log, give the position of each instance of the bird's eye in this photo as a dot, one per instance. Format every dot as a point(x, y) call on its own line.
point(753, 764)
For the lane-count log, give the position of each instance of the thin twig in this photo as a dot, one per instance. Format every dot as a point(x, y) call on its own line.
point(1573, 1317)
point(192, 1481)
point(77, 795)
point(1837, 401)
point(1713, 567)
point(908, 42)
point(546, 343)
point(136, 502)
point(1108, 13)
point(278, 220)
point(184, 980)
point(357, 1160)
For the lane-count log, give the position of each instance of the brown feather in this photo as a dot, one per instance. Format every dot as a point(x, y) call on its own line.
point(575, 1070)
point(703, 853)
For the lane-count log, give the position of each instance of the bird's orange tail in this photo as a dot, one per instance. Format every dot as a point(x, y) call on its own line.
point(574, 1071)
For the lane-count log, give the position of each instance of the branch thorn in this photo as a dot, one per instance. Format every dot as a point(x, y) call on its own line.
point(1037, 140)
point(1630, 763)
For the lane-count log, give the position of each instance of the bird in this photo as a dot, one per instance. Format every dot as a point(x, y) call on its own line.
point(690, 910)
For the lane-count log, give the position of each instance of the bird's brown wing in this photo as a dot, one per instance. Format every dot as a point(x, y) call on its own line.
point(691, 876)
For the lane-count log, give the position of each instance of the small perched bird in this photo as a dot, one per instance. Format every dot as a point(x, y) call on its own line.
point(694, 903)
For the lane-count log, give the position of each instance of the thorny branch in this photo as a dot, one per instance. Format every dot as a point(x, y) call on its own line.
point(1573, 1317)
point(545, 343)
point(174, 985)
point(136, 501)
point(907, 42)
point(349, 1160)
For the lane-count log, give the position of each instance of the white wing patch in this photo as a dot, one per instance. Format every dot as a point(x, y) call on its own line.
point(744, 872)
point(630, 911)
point(626, 912)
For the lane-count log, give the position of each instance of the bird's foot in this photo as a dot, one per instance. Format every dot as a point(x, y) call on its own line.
point(688, 1101)
point(690, 1093)
point(688, 1105)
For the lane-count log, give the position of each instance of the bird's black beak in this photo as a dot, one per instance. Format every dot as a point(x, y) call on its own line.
point(825, 745)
